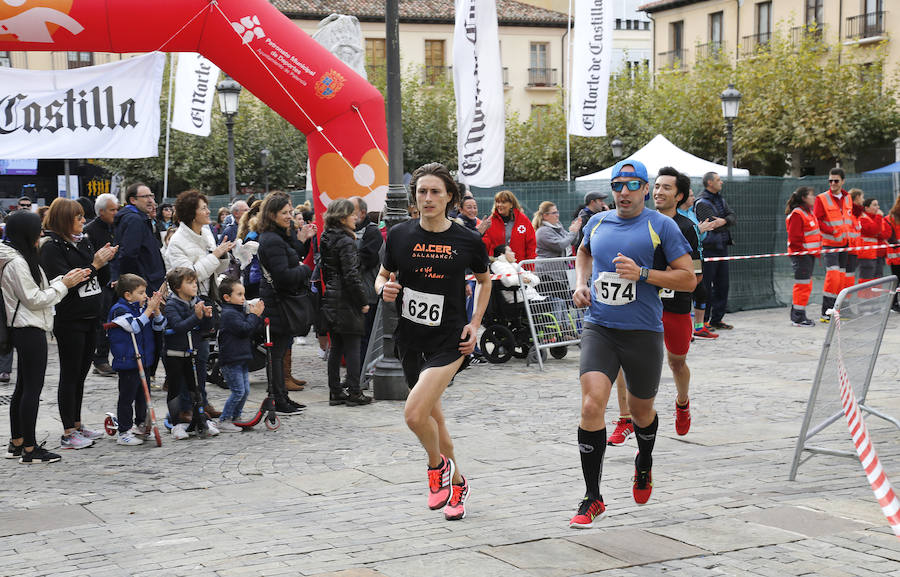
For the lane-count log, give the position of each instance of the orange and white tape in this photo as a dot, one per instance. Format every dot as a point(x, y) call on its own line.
point(798, 253)
point(878, 479)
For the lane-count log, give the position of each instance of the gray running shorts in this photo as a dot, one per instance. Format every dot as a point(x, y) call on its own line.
point(638, 353)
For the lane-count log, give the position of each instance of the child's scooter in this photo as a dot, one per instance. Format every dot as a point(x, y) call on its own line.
point(111, 423)
point(267, 408)
point(198, 416)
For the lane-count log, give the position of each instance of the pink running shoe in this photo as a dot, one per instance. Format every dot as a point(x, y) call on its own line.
point(439, 483)
point(456, 506)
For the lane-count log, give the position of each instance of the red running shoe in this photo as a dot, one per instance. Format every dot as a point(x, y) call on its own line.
point(439, 483)
point(624, 429)
point(705, 333)
point(589, 510)
point(682, 418)
point(456, 506)
point(642, 484)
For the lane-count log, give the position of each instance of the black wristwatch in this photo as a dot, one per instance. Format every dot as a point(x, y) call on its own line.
point(645, 273)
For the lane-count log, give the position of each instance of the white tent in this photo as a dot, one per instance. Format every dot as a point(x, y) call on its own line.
point(661, 152)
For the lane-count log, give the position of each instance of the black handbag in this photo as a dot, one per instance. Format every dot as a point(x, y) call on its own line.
point(297, 307)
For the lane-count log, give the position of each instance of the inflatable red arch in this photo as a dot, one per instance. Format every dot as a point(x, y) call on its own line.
point(341, 114)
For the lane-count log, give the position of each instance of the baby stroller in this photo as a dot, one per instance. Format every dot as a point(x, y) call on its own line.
point(506, 331)
point(213, 370)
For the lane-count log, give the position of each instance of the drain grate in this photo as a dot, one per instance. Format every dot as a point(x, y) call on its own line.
point(5, 399)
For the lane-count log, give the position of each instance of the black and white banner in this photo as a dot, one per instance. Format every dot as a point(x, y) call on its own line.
point(478, 84)
point(195, 89)
point(106, 111)
point(591, 56)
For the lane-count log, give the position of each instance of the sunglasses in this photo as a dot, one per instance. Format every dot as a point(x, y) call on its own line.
point(833, 180)
point(24, 206)
point(632, 185)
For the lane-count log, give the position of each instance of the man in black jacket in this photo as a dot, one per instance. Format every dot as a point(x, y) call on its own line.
point(710, 206)
point(138, 245)
point(101, 231)
point(368, 243)
point(593, 203)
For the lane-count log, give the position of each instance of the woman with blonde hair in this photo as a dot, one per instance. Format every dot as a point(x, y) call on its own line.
point(510, 226)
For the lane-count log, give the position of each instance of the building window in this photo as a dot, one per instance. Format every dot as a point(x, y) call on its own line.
point(5, 60)
point(375, 52)
point(763, 22)
point(676, 36)
point(618, 23)
point(715, 28)
point(79, 59)
point(814, 13)
point(539, 71)
point(435, 69)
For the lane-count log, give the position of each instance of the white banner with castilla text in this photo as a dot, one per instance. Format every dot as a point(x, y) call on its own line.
point(195, 89)
point(478, 84)
point(591, 56)
point(105, 111)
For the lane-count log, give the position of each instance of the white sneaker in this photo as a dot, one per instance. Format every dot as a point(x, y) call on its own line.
point(179, 431)
point(211, 429)
point(91, 434)
point(140, 432)
point(128, 438)
point(323, 354)
point(74, 440)
point(228, 427)
point(300, 341)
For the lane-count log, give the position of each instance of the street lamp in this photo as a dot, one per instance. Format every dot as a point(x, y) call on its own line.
point(264, 160)
point(617, 146)
point(229, 93)
point(731, 103)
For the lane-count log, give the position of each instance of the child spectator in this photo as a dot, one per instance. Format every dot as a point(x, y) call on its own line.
point(127, 311)
point(236, 332)
point(185, 313)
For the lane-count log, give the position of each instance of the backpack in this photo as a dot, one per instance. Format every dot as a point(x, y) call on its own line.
point(5, 333)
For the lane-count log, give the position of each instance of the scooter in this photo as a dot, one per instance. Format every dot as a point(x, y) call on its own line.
point(198, 422)
point(267, 408)
point(111, 423)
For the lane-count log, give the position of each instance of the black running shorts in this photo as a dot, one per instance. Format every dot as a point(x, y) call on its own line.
point(638, 353)
point(414, 362)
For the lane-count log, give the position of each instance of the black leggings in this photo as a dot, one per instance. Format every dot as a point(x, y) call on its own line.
point(281, 344)
point(76, 341)
point(31, 350)
point(347, 347)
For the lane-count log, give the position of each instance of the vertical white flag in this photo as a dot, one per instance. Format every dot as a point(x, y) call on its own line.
point(592, 52)
point(195, 89)
point(478, 84)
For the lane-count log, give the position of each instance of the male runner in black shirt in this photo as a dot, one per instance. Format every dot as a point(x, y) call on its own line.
point(423, 271)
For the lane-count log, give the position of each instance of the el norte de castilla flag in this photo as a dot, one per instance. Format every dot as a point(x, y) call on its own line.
point(591, 57)
point(478, 84)
point(105, 111)
point(195, 88)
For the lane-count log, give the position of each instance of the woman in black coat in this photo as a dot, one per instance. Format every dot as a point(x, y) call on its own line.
point(344, 303)
point(76, 315)
point(281, 251)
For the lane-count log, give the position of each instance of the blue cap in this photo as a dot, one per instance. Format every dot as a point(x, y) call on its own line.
point(640, 171)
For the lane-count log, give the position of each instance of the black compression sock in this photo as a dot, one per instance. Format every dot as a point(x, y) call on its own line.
point(646, 438)
point(591, 446)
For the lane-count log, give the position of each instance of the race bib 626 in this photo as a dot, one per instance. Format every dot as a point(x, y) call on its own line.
point(422, 308)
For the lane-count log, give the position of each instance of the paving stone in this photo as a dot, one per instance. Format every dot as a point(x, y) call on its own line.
point(43, 519)
point(553, 557)
point(802, 520)
point(725, 534)
point(636, 546)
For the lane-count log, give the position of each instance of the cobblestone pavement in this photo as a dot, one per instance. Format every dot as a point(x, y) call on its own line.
point(341, 491)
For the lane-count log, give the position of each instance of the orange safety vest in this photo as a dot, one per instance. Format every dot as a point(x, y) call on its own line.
point(867, 240)
point(893, 254)
point(854, 232)
point(839, 219)
point(812, 238)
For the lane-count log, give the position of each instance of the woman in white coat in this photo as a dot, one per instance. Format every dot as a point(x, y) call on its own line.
point(194, 246)
point(28, 298)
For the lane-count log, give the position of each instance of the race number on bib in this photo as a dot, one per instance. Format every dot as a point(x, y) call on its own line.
point(422, 308)
point(90, 289)
point(614, 290)
point(666, 294)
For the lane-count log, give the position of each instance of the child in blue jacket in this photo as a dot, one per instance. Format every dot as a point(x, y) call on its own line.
point(236, 332)
point(128, 312)
point(185, 313)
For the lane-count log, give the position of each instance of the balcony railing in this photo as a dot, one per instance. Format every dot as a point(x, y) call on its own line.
point(710, 51)
point(671, 59)
point(437, 74)
point(811, 33)
point(542, 77)
point(865, 25)
point(756, 42)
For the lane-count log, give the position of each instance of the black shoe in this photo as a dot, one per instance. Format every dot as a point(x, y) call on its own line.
point(295, 404)
point(38, 455)
point(284, 407)
point(13, 452)
point(104, 370)
point(355, 398)
point(337, 397)
point(895, 307)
